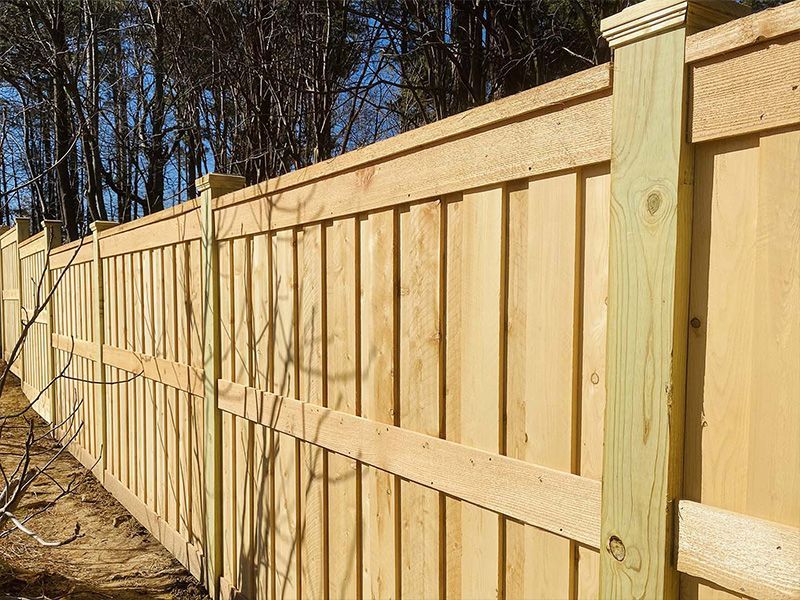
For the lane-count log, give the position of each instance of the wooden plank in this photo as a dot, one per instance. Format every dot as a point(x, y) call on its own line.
point(749, 556)
point(651, 174)
point(551, 94)
point(74, 253)
point(311, 345)
point(163, 228)
point(475, 297)
point(747, 31)
point(173, 430)
point(419, 386)
point(745, 332)
point(174, 374)
point(377, 342)
point(597, 196)
point(80, 348)
point(208, 277)
point(285, 384)
point(149, 387)
point(340, 294)
point(196, 416)
point(544, 260)
point(228, 438)
point(139, 398)
point(242, 369)
point(565, 504)
point(262, 450)
point(185, 414)
point(748, 90)
point(492, 156)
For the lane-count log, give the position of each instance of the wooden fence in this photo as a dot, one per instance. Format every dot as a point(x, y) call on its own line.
point(404, 372)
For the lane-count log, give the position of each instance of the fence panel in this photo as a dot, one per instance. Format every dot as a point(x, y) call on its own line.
point(385, 375)
point(74, 347)
point(9, 253)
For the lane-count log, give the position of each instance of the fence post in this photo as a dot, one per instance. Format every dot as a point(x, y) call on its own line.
point(52, 239)
point(650, 235)
point(23, 225)
point(99, 332)
point(211, 186)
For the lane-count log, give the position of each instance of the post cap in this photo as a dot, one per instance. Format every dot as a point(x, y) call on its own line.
point(96, 226)
point(650, 17)
point(219, 183)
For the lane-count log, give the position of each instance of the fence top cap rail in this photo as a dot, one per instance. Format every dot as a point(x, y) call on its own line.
point(13, 229)
point(542, 97)
point(648, 18)
point(753, 29)
point(167, 213)
point(85, 241)
point(33, 238)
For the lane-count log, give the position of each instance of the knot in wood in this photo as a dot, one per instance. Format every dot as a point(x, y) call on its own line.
point(616, 548)
point(653, 202)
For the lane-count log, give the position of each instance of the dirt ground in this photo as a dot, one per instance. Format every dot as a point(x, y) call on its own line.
point(116, 558)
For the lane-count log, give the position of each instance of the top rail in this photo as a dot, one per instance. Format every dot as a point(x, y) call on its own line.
point(753, 29)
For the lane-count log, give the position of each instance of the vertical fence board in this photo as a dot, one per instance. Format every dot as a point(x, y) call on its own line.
point(284, 383)
point(473, 417)
point(596, 196)
point(543, 301)
point(420, 343)
point(377, 354)
point(341, 395)
point(310, 389)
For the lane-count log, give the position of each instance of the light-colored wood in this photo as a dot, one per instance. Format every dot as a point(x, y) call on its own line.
point(311, 343)
point(491, 156)
point(651, 170)
point(745, 333)
point(181, 224)
point(209, 187)
point(342, 471)
point(747, 31)
point(183, 377)
point(596, 202)
point(749, 556)
point(78, 347)
point(409, 343)
point(377, 372)
point(543, 300)
point(262, 444)
point(473, 412)
point(420, 401)
point(284, 383)
point(751, 89)
point(554, 94)
point(652, 17)
point(565, 504)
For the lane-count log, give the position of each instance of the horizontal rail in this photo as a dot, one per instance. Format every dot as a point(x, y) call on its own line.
point(549, 95)
point(744, 554)
point(576, 134)
point(562, 503)
point(11, 294)
point(76, 252)
point(174, 374)
point(760, 27)
point(82, 348)
point(164, 228)
point(747, 91)
point(32, 245)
